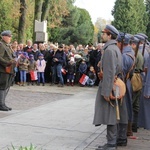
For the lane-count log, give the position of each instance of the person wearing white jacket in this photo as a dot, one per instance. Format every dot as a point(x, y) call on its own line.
point(41, 64)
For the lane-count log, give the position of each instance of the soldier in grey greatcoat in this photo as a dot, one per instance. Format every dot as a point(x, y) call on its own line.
point(111, 65)
point(128, 56)
point(7, 64)
point(144, 111)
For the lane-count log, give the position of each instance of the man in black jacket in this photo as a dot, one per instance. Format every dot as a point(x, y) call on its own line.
point(58, 60)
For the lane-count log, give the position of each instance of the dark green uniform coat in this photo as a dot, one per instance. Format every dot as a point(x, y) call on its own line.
point(6, 55)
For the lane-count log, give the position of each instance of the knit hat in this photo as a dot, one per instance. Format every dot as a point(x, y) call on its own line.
point(31, 55)
point(41, 55)
point(25, 54)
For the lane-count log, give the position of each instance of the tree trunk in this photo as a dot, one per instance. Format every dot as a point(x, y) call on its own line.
point(38, 9)
point(22, 21)
point(45, 10)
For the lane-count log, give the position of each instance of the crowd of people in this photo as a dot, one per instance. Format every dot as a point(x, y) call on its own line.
point(62, 64)
point(36, 64)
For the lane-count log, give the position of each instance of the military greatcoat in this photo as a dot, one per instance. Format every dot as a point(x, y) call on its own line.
point(144, 111)
point(6, 56)
point(128, 62)
point(111, 65)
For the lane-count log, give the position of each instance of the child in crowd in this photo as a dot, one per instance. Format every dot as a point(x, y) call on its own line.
point(32, 70)
point(71, 70)
point(41, 64)
point(82, 68)
point(17, 76)
point(23, 63)
point(92, 77)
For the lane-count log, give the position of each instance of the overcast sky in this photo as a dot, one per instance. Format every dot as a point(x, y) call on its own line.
point(97, 8)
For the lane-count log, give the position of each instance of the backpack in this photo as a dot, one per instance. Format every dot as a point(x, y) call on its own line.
point(136, 79)
point(136, 82)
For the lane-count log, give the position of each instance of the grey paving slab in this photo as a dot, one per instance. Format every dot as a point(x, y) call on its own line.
point(61, 123)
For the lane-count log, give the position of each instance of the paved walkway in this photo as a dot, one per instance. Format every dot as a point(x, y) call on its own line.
point(62, 124)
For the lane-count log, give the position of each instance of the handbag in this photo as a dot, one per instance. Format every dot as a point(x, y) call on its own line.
point(136, 82)
point(8, 69)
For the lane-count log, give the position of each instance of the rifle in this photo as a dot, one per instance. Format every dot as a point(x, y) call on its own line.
point(137, 48)
point(122, 41)
point(144, 47)
point(116, 94)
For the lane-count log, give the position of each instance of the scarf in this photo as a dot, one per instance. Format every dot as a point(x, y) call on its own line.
point(40, 62)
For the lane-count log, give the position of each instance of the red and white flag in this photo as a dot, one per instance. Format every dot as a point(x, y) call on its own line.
point(63, 71)
point(83, 79)
point(33, 75)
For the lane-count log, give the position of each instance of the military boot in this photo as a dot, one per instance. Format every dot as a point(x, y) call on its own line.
point(2, 101)
point(121, 142)
point(129, 129)
point(134, 127)
point(135, 121)
point(107, 147)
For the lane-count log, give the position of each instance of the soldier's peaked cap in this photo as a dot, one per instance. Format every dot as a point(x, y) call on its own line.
point(6, 33)
point(134, 39)
point(110, 29)
point(142, 34)
point(140, 37)
point(123, 37)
